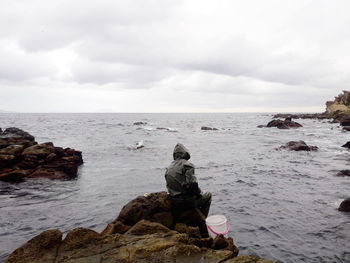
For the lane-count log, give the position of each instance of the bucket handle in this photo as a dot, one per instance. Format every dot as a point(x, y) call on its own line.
point(220, 233)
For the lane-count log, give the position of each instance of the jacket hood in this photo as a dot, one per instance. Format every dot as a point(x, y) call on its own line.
point(181, 152)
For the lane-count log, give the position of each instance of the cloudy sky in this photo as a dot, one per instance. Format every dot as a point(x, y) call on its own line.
point(173, 55)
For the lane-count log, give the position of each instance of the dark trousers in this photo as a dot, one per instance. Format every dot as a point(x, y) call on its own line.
point(202, 202)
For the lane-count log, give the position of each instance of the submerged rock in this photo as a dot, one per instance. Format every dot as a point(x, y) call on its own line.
point(345, 205)
point(205, 128)
point(343, 173)
point(298, 146)
point(140, 123)
point(283, 124)
point(139, 242)
point(22, 157)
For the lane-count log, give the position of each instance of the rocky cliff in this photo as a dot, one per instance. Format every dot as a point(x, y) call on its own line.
point(341, 103)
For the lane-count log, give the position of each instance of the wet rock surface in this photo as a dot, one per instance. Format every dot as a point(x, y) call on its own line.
point(298, 146)
point(140, 241)
point(283, 124)
point(21, 157)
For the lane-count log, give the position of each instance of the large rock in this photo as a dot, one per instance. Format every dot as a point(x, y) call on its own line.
point(345, 205)
point(147, 207)
point(156, 244)
point(14, 132)
point(298, 146)
point(157, 207)
point(283, 124)
point(144, 241)
point(40, 249)
point(22, 157)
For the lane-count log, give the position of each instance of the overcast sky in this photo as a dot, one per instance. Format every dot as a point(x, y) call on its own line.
point(173, 55)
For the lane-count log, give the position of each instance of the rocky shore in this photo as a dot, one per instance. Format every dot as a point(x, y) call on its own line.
point(337, 110)
point(21, 157)
point(148, 229)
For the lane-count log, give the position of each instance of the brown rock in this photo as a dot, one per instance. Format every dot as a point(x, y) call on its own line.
point(144, 242)
point(30, 162)
point(202, 242)
point(219, 242)
point(21, 157)
point(248, 259)
point(51, 157)
point(59, 151)
point(6, 160)
point(14, 175)
point(164, 218)
point(144, 227)
point(40, 249)
point(144, 207)
point(48, 173)
point(12, 150)
point(42, 150)
point(5, 142)
point(115, 228)
point(189, 230)
point(79, 237)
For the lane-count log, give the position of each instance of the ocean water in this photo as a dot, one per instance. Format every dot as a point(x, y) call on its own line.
point(281, 205)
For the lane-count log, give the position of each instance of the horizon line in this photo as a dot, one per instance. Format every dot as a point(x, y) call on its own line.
point(206, 112)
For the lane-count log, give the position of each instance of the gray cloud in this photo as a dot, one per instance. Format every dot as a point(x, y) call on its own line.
point(268, 54)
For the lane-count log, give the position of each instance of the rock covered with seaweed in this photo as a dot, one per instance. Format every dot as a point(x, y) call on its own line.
point(22, 157)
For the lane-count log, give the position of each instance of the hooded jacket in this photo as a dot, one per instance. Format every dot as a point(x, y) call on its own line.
point(179, 176)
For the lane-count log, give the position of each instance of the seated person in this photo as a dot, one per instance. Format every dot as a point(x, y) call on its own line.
point(182, 184)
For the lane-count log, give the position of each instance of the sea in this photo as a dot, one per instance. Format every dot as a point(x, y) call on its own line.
point(280, 205)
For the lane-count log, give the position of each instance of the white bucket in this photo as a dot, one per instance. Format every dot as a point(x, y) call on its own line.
point(216, 225)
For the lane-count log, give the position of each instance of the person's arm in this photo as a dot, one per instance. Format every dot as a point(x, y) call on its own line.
point(191, 180)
